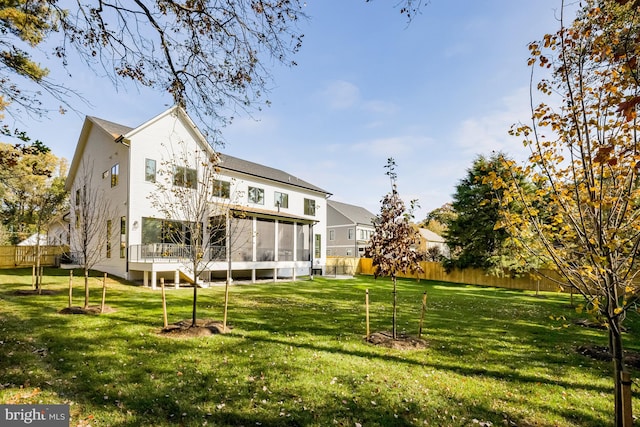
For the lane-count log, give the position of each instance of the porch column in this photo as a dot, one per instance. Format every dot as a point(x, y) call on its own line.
point(275, 274)
point(153, 280)
point(145, 278)
point(176, 278)
point(253, 275)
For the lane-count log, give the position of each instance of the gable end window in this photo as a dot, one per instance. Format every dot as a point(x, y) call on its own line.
point(149, 170)
point(115, 174)
point(256, 195)
point(309, 207)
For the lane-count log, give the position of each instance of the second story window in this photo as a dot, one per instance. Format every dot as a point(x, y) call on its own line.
point(256, 195)
point(332, 234)
point(350, 234)
point(309, 207)
point(115, 174)
point(185, 177)
point(149, 170)
point(221, 188)
point(281, 200)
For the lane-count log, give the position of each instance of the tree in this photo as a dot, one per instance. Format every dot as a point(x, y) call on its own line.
point(93, 224)
point(31, 190)
point(208, 55)
point(438, 219)
point(393, 244)
point(585, 162)
point(200, 210)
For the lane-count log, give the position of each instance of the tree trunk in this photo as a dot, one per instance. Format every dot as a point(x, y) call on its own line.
point(86, 288)
point(615, 346)
point(195, 299)
point(393, 277)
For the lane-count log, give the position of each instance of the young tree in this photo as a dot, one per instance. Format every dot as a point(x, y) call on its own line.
point(92, 228)
point(199, 206)
point(394, 242)
point(585, 162)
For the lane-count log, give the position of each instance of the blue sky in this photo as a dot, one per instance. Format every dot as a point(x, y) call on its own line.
point(432, 95)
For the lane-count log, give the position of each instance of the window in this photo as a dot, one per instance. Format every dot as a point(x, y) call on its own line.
point(78, 197)
point(332, 234)
point(108, 238)
point(221, 188)
point(149, 170)
point(350, 234)
point(185, 177)
point(349, 251)
point(123, 236)
point(105, 174)
point(256, 195)
point(115, 173)
point(281, 200)
point(318, 246)
point(309, 207)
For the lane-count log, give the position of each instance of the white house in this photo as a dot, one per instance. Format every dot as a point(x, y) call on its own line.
point(283, 221)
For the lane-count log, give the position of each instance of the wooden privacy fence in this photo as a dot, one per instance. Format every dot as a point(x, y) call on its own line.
point(472, 276)
point(25, 256)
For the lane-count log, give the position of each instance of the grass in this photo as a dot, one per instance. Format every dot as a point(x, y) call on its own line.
point(296, 357)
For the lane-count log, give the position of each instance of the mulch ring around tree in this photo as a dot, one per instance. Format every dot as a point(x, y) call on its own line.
point(202, 328)
point(92, 309)
point(402, 341)
point(631, 358)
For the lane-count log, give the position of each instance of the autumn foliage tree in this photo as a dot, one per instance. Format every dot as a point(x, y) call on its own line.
point(585, 164)
point(392, 247)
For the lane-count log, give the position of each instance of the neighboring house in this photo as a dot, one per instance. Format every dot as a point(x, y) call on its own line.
point(429, 239)
point(284, 223)
point(349, 229)
point(33, 240)
point(58, 232)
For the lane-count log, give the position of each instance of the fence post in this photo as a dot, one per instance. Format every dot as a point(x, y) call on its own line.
point(627, 414)
point(70, 288)
point(164, 304)
point(367, 311)
point(424, 307)
point(104, 292)
point(33, 276)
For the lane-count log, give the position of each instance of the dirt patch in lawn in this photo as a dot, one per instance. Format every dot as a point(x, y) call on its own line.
point(402, 341)
point(202, 328)
point(92, 309)
point(631, 358)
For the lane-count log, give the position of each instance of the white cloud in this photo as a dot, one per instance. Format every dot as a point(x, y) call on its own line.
point(395, 146)
point(341, 95)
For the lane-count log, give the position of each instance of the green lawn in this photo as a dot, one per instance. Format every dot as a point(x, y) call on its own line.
point(296, 356)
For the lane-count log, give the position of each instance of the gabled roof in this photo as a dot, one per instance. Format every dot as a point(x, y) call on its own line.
point(430, 236)
point(357, 214)
point(254, 169)
point(118, 132)
point(115, 129)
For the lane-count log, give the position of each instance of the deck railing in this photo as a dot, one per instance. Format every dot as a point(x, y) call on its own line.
point(171, 252)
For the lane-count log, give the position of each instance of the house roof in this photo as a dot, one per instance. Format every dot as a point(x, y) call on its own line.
point(430, 236)
point(357, 214)
point(254, 169)
point(114, 129)
point(231, 163)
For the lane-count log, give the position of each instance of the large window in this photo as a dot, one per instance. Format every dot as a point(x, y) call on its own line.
point(150, 170)
point(185, 177)
point(115, 174)
point(165, 231)
point(265, 239)
point(221, 188)
point(218, 237)
point(302, 238)
point(123, 236)
point(309, 207)
point(256, 195)
point(318, 246)
point(281, 200)
point(350, 233)
point(108, 238)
